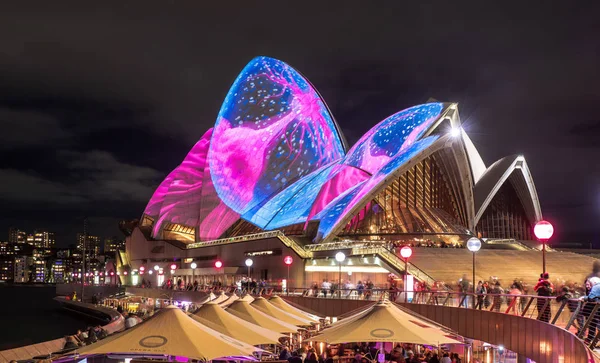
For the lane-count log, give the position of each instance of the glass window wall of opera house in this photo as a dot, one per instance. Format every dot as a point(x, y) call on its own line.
point(274, 177)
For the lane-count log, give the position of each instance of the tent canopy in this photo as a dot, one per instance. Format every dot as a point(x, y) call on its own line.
point(221, 298)
point(385, 322)
point(171, 332)
point(215, 317)
point(229, 300)
point(243, 310)
point(266, 307)
point(285, 306)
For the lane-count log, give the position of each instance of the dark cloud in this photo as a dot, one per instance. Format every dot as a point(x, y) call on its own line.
point(98, 102)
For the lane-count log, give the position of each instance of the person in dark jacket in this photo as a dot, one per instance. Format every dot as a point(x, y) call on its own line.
point(92, 338)
point(544, 288)
point(295, 358)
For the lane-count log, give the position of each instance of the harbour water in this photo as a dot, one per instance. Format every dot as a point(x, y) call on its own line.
point(30, 315)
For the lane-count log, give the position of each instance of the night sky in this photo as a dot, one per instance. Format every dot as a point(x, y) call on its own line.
point(99, 103)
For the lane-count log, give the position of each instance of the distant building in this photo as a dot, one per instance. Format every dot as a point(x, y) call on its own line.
point(21, 268)
point(58, 271)
point(92, 244)
point(14, 249)
point(7, 265)
point(39, 266)
point(44, 238)
point(15, 235)
point(113, 244)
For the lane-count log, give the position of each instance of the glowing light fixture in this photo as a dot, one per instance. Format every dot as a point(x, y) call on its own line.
point(543, 230)
point(473, 244)
point(218, 264)
point(455, 132)
point(156, 267)
point(406, 252)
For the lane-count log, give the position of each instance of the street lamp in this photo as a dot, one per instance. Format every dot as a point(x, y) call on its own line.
point(156, 267)
point(288, 261)
point(218, 265)
point(193, 265)
point(340, 257)
point(249, 263)
point(473, 245)
point(543, 230)
point(406, 252)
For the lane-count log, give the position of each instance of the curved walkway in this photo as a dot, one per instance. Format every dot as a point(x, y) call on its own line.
point(523, 334)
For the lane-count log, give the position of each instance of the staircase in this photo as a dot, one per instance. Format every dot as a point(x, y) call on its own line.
point(378, 249)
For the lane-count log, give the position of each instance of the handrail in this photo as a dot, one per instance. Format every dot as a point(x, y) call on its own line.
point(574, 315)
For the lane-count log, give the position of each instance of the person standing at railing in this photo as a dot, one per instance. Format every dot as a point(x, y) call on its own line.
point(593, 285)
point(480, 291)
point(325, 286)
point(464, 287)
point(544, 288)
point(513, 301)
point(497, 290)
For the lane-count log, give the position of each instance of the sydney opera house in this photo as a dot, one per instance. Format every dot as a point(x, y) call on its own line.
point(275, 177)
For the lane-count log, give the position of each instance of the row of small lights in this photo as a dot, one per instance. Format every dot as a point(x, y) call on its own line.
point(543, 230)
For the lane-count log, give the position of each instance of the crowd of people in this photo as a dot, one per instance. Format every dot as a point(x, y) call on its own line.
point(367, 352)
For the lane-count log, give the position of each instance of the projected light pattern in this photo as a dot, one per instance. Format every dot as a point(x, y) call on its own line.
point(341, 178)
point(391, 136)
point(275, 158)
point(340, 209)
point(155, 203)
point(296, 209)
point(330, 216)
point(273, 129)
point(181, 203)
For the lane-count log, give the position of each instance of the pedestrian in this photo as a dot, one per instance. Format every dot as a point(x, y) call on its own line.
point(544, 288)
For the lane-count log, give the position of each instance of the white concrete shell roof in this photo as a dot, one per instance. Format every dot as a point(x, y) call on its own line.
point(498, 174)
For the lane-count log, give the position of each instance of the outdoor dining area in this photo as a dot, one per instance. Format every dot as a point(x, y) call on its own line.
point(268, 328)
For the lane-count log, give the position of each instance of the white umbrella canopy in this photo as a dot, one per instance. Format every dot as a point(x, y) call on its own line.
point(385, 322)
point(215, 317)
point(171, 332)
point(229, 300)
point(243, 310)
point(285, 306)
point(263, 305)
point(221, 298)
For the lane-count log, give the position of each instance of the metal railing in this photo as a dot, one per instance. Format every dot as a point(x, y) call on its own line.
point(578, 316)
point(379, 249)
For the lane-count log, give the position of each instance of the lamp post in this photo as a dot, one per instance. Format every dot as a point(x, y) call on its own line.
point(543, 230)
point(156, 267)
point(218, 265)
point(249, 263)
point(406, 252)
point(193, 265)
point(340, 257)
point(473, 245)
point(288, 261)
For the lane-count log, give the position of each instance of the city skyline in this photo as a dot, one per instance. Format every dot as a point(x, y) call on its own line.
point(94, 121)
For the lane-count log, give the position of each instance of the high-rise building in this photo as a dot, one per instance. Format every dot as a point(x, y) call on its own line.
point(43, 238)
point(21, 268)
point(15, 235)
point(39, 266)
point(113, 244)
point(7, 265)
point(92, 244)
